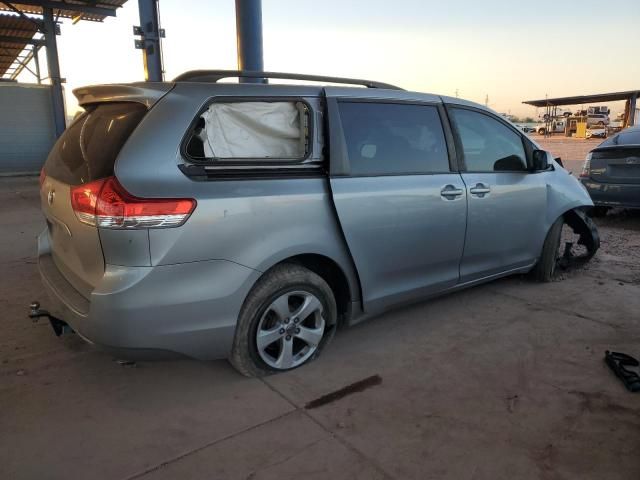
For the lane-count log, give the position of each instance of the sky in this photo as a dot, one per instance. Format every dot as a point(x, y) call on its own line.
point(509, 51)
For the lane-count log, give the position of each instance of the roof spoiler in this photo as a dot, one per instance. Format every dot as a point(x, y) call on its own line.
point(147, 93)
point(214, 76)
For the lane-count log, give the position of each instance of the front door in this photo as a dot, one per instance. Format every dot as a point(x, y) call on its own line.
point(401, 207)
point(506, 202)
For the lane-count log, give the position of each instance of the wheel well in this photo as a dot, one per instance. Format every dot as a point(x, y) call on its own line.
point(331, 273)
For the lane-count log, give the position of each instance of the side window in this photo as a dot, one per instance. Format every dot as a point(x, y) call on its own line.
point(388, 138)
point(488, 145)
point(251, 130)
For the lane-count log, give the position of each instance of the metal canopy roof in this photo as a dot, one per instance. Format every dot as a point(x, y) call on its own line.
point(15, 34)
point(582, 99)
point(94, 11)
point(18, 28)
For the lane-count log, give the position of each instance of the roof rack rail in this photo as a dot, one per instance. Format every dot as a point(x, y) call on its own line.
point(216, 75)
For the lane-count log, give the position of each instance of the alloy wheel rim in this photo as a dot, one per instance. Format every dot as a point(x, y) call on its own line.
point(290, 330)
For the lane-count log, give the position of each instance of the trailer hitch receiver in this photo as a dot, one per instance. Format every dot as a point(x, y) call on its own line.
point(60, 327)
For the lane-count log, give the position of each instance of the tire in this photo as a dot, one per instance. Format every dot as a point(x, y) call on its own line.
point(598, 211)
point(269, 313)
point(541, 131)
point(545, 269)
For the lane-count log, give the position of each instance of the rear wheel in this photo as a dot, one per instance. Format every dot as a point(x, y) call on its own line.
point(287, 318)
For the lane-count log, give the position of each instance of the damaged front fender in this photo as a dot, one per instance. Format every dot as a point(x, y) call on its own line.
point(587, 237)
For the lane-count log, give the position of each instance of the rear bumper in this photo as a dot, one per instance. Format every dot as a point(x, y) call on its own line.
point(613, 194)
point(187, 308)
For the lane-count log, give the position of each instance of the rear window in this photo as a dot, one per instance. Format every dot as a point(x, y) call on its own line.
point(87, 150)
point(623, 138)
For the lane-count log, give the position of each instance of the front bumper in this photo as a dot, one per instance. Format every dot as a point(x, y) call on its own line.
point(187, 308)
point(613, 194)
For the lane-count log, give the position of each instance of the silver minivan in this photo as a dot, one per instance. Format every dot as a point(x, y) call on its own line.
point(248, 221)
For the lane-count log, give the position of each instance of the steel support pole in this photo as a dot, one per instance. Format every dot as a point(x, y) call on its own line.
point(36, 61)
point(151, 53)
point(249, 38)
point(54, 70)
point(632, 110)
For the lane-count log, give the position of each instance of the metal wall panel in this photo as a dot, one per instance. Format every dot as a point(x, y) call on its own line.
point(27, 131)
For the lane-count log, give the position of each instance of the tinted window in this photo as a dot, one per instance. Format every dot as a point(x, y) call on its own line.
point(386, 138)
point(87, 150)
point(488, 145)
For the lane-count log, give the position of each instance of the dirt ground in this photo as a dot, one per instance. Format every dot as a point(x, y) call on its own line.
point(502, 381)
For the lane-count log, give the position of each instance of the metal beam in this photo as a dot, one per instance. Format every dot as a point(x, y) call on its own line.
point(22, 65)
point(36, 61)
point(34, 21)
point(150, 43)
point(632, 110)
point(249, 38)
point(54, 70)
point(69, 7)
point(18, 40)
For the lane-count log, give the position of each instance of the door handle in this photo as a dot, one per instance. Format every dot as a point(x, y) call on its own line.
point(450, 192)
point(480, 190)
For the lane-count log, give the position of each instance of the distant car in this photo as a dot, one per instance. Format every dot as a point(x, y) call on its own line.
point(559, 114)
point(597, 119)
point(556, 126)
point(526, 129)
point(598, 132)
point(611, 172)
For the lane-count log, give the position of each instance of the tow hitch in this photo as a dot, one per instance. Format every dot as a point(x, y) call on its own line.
point(60, 327)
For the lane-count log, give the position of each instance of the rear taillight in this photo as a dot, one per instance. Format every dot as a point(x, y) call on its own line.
point(586, 167)
point(106, 204)
point(43, 175)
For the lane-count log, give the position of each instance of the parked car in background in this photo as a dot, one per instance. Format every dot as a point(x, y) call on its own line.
point(526, 128)
point(597, 119)
point(611, 171)
point(555, 126)
point(596, 132)
point(225, 220)
point(558, 114)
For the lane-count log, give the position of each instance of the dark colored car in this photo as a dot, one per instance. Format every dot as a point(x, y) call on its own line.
point(611, 171)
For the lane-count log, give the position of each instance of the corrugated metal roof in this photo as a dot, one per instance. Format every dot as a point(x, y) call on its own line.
point(17, 28)
point(64, 8)
point(14, 27)
point(583, 99)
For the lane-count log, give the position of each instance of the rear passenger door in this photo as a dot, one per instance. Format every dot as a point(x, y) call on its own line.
point(401, 206)
point(507, 203)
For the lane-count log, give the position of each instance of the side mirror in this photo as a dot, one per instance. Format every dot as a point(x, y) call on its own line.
point(540, 160)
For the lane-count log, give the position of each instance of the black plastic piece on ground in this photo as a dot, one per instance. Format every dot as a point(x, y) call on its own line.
point(617, 362)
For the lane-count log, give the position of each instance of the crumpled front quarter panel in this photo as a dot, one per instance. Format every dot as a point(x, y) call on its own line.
point(564, 193)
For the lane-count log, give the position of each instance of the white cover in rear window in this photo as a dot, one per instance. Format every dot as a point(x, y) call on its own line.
point(253, 130)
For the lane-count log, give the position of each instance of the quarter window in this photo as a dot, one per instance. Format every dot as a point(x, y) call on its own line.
point(392, 139)
point(248, 130)
point(488, 145)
